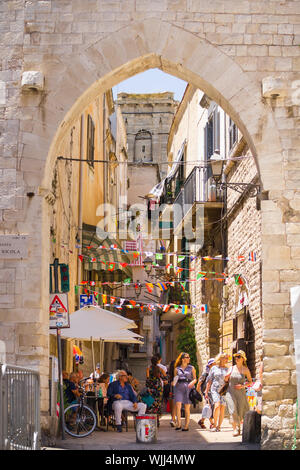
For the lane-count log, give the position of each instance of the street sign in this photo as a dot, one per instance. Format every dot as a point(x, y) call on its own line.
point(59, 311)
point(86, 300)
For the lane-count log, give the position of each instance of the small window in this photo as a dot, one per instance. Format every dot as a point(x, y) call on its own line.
point(212, 134)
point(90, 152)
point(233, 132)
point(143, 146)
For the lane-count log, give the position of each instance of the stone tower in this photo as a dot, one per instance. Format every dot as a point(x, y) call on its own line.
point(148, 118)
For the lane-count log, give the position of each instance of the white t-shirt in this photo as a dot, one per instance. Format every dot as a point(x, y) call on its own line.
point(95, 375)
point(164, 368)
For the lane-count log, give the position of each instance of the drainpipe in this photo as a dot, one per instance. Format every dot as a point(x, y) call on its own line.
point(79, 263)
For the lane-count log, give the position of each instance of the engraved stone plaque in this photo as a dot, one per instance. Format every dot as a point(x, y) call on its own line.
point(13, 246)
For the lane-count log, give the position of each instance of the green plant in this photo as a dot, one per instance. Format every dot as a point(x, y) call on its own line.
point(186, 341)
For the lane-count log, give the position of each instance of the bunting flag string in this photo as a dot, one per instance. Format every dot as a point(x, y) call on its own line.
point(109, 301)
point(252, 256)
point(163, 286)
point(177, 269)
point(111, 266)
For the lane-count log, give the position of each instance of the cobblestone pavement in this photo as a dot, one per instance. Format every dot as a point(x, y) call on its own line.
point(168, 439)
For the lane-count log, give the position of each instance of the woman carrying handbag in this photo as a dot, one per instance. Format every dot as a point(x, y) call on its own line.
point(184, 380)
point(215, 380)
point(236, 398)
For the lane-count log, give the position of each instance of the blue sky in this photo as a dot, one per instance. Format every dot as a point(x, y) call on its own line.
point(152, 81)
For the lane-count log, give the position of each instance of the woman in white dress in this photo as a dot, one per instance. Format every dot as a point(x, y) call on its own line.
point(215, 380)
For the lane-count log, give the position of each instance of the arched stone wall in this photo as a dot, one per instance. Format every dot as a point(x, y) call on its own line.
point(72, 80)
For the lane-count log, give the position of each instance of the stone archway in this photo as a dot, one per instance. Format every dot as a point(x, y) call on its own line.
point(72, 82)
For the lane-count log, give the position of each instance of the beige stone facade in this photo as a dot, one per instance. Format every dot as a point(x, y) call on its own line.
point(148, 118)
point(85, 48)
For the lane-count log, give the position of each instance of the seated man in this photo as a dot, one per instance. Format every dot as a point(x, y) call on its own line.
point(72, 394)
point(122, 397)
point(71, 391)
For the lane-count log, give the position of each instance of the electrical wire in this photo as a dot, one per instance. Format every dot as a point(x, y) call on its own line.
point(192, 162)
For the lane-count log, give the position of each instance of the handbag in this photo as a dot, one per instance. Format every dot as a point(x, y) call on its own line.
point(146, 397)
point(148, 400)
point(206, 412)
point(223, 389)
point(195, 396)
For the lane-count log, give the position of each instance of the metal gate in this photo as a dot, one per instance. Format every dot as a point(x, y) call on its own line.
point(19, 408)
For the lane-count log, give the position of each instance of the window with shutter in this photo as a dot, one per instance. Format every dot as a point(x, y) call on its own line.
point(232, 133)
point(210, 138)
point(216, 131)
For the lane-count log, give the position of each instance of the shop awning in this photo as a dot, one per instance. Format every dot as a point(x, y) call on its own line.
point(90, 249)
point(98, 323)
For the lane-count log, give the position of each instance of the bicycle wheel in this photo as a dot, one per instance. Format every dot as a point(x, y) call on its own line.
point(80, 420)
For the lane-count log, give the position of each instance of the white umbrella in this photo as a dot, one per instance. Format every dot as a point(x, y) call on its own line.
point(95, 322)
point(123, 336)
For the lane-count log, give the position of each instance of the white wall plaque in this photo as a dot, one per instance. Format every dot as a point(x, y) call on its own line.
point(13, 246)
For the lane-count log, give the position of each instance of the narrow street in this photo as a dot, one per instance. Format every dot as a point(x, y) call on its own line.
point(168, 439)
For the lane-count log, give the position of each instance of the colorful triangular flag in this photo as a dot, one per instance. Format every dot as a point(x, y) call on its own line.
point(162, 286)
point(200, 275)
point(238, 280)
point(184, 309)
point(149, 286)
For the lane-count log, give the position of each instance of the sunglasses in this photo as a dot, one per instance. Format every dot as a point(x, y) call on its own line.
point(238, 357)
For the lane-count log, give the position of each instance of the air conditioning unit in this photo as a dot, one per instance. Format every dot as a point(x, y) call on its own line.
point(147, 322)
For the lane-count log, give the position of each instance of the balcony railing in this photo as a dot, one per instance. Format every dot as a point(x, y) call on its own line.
point(197, 188)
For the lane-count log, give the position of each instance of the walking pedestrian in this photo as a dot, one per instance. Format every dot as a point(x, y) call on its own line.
point(236, 398)
point(155, 389)
point(215, 380)
point(201, 386)
point(184, 380)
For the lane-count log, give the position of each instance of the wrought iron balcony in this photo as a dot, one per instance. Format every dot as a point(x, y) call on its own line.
point(199, 188)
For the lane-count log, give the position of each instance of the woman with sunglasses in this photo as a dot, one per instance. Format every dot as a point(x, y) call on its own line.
point(184, 380)
point(236, 398)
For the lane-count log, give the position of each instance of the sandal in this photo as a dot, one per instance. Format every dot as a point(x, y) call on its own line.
point(201, 424)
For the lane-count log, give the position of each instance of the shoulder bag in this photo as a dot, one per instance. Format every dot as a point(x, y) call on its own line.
point(223, 389)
